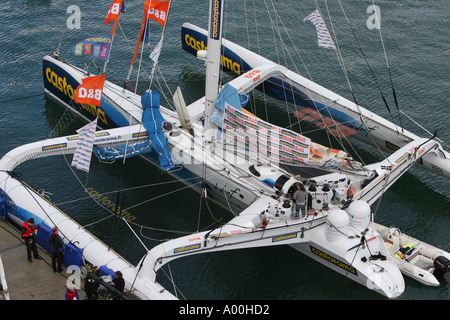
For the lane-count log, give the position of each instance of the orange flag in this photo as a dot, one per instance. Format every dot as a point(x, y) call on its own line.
point(114, 11)
point(157, 10)
point(91, 90)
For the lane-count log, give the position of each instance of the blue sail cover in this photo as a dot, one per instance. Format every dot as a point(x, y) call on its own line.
point(228, 95)
point(122, 151)
point(152, 121)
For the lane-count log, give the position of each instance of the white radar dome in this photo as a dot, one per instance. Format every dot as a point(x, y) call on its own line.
point(337, 225)
point(359, 212)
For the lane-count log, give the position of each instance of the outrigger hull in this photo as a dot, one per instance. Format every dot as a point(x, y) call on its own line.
point(23, 203)
point(313, 103)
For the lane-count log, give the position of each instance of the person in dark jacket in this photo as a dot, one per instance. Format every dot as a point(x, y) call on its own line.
point(91, 284)
point(119, 284)
point(57, 250)
point(29, 235)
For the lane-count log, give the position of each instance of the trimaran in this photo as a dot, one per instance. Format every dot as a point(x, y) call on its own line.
point(246, 164)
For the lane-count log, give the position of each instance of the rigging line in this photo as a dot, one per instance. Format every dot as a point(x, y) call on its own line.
point(275, 28)
point(158, 229)
point(157, 197)
point(155, 64)
point(175, 287)
point(339, 55)
point(273, 33)
point(127, 189)
point(128, 225)
point(342, 64)
point(84, 188)
point(28, 189)
point(56, 53)
point(246, 24)
point(98, 221)
point(122, 173)
point(382, 193)
point(259, 52)
point(142, 50)
point(21, 98)
point(173, 282)
point(389, 73)
point(310, 76)
point(256, 28)
point(423, 128)
point(370, 69)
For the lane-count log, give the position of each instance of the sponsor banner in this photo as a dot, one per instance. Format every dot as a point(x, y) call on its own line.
point(323, 35)
point(83, 153)
point(97, 47)
point(270, 140)
point(157, 10)
point(114, 11)
point(91, 90)
point(193, 41)
point(216, 8)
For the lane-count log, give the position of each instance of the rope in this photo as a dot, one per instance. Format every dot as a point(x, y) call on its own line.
point(327, 128)
point(389, 73)
point(21, 98)
point(338, 52)
point(56, 53)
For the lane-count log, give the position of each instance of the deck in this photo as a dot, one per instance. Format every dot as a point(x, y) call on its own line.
point(26, 280)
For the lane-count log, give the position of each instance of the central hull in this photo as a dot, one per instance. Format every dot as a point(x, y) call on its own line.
point(60, 82)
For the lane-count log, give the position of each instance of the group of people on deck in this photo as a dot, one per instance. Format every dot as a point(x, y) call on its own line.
point(29, 236)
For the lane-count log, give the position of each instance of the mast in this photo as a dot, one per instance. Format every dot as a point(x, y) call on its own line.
point(113, 32)
point(117, 8)
point(138, 43)
point(213, 63)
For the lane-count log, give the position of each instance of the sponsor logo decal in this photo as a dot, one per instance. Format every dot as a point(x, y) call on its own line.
point(334, 261)
point(187, 248)
point(54, 146)
point(285, 237)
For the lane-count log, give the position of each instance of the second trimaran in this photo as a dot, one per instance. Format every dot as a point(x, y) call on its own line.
point(231, 156)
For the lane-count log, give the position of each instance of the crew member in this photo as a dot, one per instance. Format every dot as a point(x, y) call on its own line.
point(118, 284)
point(29, 235)
point(299, 198)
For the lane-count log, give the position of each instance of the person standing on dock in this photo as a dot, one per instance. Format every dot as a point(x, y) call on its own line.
point(29, 235)
point(57, 249)
point(71, 293)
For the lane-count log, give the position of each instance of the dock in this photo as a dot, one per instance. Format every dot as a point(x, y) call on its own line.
point(30, 280)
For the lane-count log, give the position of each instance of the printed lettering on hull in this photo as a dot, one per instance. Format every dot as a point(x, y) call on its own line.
point(62, 85)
